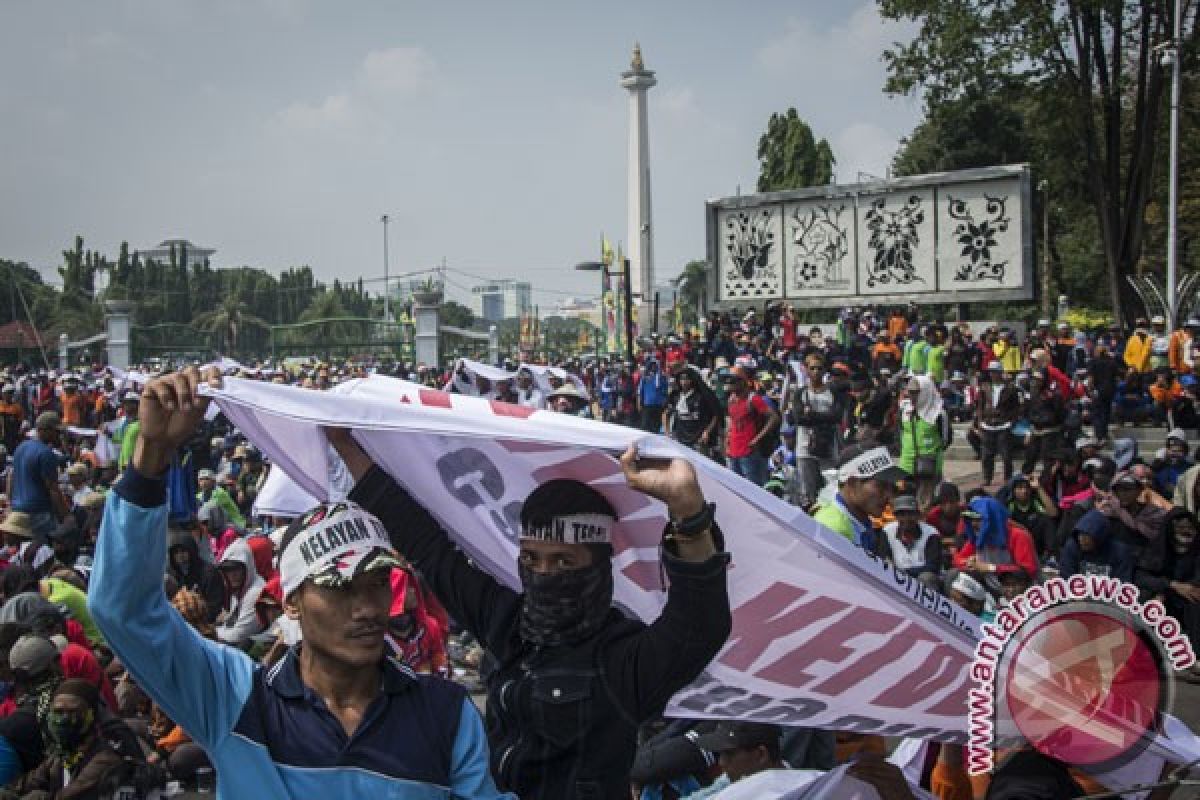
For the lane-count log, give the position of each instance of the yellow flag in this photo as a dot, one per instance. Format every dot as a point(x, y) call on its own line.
point(606, 251)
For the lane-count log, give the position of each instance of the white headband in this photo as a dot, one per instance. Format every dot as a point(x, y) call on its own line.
point(337, 542)
point(868, 465)
point(573, 529)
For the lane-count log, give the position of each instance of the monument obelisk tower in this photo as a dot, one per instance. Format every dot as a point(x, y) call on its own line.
point(640, 238)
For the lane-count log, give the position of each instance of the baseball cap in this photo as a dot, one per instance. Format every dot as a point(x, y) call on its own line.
point(205, 474)
point(32, 654)
point(868, 463)
point(331, 545)
point(1086, 441)
point(905, 502)
point(736, 735)
point(995, 366)
point(1126, 478)
point(1158, 319)
point(968, 586)
point(1177, 433)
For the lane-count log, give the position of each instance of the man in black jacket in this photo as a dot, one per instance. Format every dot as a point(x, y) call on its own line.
point(570, 677)
point(996, 409)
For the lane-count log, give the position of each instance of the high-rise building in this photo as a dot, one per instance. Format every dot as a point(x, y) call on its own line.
point(501, 299)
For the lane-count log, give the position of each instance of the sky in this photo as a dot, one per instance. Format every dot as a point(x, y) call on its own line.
point(493, 134)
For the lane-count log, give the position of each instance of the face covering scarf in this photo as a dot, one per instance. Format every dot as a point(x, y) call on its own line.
point(565, 607)
point(66, 732)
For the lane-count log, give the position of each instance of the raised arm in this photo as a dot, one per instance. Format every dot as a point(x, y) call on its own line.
point(201, 685)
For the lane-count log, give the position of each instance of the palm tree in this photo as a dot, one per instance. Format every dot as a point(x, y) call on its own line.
point(327, 306)
point(228, 321)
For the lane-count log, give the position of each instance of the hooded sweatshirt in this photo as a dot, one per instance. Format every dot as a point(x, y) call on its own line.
point(1107, 557)
point(996, 539)
point(200, 576)
point(1159, 565)
point(238, 621)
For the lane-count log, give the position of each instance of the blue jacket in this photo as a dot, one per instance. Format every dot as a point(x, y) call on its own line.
point(267, 734)
point(653, 388)
point(1109, 557)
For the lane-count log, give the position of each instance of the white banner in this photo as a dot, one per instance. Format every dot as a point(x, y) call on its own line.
point(889, 656)
point(824, 634)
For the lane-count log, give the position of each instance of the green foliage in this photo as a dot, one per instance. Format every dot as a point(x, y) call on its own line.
point(692, 285)
point(790, 157)
point(456, 315)
point(1084, 78)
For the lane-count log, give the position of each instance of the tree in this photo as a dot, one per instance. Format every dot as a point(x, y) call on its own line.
point(692, 284)
point(789, 157)
point(228, 321)
point(1095, 58)
point(457, 315)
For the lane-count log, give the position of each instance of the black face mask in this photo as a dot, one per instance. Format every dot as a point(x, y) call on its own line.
point(565, 607)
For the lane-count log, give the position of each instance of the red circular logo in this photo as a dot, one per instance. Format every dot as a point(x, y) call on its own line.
point(1083, 684)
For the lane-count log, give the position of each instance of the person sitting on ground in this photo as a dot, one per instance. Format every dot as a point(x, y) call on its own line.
point(995, 544)
point(1091, 550)
point(190, 571)
point(237, 622)
point(1064, 481)
point(37, 672)
point(866, 479)
point(335, 717)
point(1032, 509)
point(743, 749)
point(1164, 391)
point(1175, 464)
point(946, 516)
point(1169, 571)
point(910, 545)
point(209, 492)
point(969, 594)
point(1134, 518)
point(80, 759)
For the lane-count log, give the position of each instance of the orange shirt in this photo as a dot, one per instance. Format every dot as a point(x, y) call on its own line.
point(1166, 395)
point(72, 408)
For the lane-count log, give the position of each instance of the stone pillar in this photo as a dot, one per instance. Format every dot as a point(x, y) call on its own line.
point(117, 323)
point(426, 320)
point(493, 345)
point(64, 352)
point(640, 236)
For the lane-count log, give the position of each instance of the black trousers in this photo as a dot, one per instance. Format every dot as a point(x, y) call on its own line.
point(993, 442)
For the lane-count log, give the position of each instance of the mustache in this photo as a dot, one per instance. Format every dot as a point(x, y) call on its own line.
point(365, 629)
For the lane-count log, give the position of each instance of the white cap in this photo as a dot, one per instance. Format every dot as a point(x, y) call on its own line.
point(966, 585)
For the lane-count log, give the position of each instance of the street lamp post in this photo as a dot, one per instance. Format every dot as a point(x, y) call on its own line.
point(1172, 57)
point(387, 307)
point(626, 295)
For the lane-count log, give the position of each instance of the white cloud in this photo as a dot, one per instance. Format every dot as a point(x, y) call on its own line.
point(404, 70)
point(396, 71)
point(853, 48)
point(335, 111)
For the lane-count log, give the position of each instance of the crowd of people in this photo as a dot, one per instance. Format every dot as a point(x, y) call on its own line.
point(333, 652)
